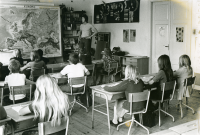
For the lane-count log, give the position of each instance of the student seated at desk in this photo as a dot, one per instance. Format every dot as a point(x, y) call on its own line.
point(17, 56)
point(165, 74)
point(3, 114)
point(46, 60)
point(49, 104)
point(107, 58)
point(75, 69)
point(185, 70)
point(131, 84)
point(35, 63)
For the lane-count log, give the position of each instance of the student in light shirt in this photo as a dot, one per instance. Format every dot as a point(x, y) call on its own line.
point(73, 70)
point(87, 31)
point(15, 79)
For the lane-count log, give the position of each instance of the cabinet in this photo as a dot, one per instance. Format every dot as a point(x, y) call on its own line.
point(140, 62)
point(102, 40)
point(71, 21)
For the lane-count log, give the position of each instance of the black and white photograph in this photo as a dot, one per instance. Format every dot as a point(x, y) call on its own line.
point(99, 67)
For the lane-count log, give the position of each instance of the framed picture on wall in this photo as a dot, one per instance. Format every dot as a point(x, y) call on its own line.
point(126, 35)
point(126, 11)
point(132, 35)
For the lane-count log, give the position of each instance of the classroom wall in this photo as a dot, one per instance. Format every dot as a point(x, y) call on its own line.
point(142, 44)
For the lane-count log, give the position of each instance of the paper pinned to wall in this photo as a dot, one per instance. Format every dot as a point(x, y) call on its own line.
point(197, 56)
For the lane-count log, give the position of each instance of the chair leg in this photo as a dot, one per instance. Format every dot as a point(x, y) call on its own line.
point(123, 123)
point(141, 126)
point(181, 109)
point(167, 114)
point(82, 106)
point(159, 115)
point(129, 130)
point(189, 107)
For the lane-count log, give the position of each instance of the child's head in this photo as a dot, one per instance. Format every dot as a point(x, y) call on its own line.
point(84, 18)
point(40, 52)
point(74, 58)
point(184, 60)
point(49, 98)
point(164, 62)
point(130, 72)
point(17, 53)
point(14, 66)
point(107, 52)
point(35, 56)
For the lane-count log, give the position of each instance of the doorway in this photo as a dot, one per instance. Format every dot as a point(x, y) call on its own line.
point(171, 23)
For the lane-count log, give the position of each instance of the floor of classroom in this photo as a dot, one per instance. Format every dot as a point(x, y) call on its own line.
point(81, 121)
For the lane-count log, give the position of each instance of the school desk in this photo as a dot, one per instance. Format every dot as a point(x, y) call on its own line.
point(108, 96)
point(20, 123)
point(57, 65)
point(186, 128)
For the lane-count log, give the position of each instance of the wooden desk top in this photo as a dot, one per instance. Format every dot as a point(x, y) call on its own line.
point(56, 75)
point(14, 115)
point(49, 66)
point(110, 95)
point(165, 132)
point(186, 127)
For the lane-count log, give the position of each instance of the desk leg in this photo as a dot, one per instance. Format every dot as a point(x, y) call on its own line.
point(93, 109)
point(108, 114)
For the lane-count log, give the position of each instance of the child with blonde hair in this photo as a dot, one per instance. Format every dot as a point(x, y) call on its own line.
point(49, 104)
point(185, 70)
point(131, 84)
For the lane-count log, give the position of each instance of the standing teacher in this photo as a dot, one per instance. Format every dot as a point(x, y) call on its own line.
point(87, 31)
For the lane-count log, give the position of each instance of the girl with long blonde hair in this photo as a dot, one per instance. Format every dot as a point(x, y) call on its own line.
point(131, 84)
point(50, 103)
point(185, 70)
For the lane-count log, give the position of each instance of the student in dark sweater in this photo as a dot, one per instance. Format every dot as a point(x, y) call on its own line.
point(165, 74)
point(3, 114)
point(130, 85)
point(40, 52)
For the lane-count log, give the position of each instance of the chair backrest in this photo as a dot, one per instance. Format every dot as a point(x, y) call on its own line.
point(197, 80)
point(25, 89)
point(62, 81)
point(189, 81)
point(168, 86)
point(78, 81)
point(35, 74)
point(46, 128)
point(139, 97)
point(1, 95)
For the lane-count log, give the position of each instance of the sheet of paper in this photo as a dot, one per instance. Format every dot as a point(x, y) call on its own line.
point(17, 108)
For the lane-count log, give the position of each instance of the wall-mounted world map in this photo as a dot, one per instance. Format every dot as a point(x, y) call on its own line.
point(30, 28)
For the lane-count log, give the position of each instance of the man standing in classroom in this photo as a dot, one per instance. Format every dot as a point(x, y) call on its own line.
point(87, 31)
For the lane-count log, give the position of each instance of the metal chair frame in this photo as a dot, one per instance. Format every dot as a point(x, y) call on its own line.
point(76, 81)
point(187, 82)
point(166, 86)
point(137, 97)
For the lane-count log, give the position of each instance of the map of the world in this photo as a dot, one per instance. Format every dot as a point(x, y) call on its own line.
point(30, 28)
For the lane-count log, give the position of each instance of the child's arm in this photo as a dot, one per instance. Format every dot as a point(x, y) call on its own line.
point(29, 81)
point(24, 67)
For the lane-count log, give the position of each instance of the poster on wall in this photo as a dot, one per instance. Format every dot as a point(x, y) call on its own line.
point(132, 35)
point(126, 11)
point(126, 36)
point(30, 28)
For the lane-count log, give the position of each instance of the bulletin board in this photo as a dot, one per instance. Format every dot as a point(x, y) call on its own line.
point(126, 11)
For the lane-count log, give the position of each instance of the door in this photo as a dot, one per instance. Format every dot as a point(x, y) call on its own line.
point(160, 29)
point(171, 23)
point(180, 30)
